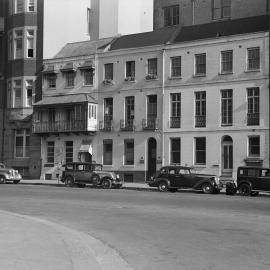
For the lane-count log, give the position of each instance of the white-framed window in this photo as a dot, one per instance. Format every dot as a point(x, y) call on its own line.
point(29, 93)
point(200, 64)
point(130, 70)
point(226, 61)
point(22, 137)
point(17, 93)
point(107, 152)
point(152, 67)
point(226, 107)
point(93, 111)
point(200, 109)
point(21, 6)
point(22, 43)
point(253, 109)
point(51, 81)
point(31, 6)
point(50, 152)
point(176, 66)
point(175, 121)
point(108, 71)
point(254, 146)
point(175, 144)
point(253, 58)
point(129, 152)
point(200, 150)
point(70, 78)
point(88, 76)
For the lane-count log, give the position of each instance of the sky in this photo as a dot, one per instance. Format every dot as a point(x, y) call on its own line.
point(64, 21)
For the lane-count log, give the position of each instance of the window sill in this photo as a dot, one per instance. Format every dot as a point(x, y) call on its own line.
point(149, 80)
point(130, 81)
point(226, 125)
point(200, 165)
point(199, 75)
point(252, 70)
point(69, 87)
point(175, 78)
point(129, 166)
point(225, 73)
point(88, 85)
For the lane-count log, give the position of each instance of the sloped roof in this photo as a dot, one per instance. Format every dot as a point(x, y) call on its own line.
point(65, 99)
point(83, 47)
point(157, 37)
point(223, 28)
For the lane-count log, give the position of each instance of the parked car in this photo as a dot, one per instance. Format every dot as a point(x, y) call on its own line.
point(252, 180)
point(171, 178)
point(82, 174)
point(9, 175)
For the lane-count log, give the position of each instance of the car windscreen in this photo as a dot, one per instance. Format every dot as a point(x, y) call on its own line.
point(97, 167)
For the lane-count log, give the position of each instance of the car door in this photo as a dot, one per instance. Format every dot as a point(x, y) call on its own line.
point(173, 177)
point(264, 180)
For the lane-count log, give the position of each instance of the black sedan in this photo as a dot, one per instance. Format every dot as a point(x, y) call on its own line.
point(171, 178)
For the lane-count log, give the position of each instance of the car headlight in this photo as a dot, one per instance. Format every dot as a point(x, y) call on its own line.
point(117, 176)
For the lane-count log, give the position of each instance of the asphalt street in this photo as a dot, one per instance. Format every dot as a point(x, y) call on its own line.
point(156, 231)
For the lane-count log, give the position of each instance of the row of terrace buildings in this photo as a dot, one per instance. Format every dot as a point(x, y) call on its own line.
point(195, 91)
point(194, 95)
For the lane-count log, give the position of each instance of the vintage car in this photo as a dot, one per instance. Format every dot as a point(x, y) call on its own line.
point(171, 178)
point(82, 174)
point(252, 180)
point(9, 175)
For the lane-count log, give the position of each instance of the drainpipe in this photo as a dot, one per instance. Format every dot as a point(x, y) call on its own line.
point(163, 106)
point(193, 11)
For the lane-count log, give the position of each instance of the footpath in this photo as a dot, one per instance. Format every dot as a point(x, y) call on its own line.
point(29, 243)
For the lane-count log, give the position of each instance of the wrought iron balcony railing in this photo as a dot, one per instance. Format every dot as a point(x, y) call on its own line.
point(200, 121)
point(106, 125)
point(127, 125)
point(150, 124)
point(60, 126)
point(175, 122)
point(253, 119)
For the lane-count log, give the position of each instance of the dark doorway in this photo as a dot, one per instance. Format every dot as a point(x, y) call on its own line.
point(152, 157)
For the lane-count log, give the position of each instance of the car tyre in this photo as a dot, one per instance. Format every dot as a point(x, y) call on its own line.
point(107, 184)
point(163, 186)
point(207, 188)
point(2, 179)
point(95, 180)
point(69, 181)
point(244, 189)
point(16, 181)
point(231, 189)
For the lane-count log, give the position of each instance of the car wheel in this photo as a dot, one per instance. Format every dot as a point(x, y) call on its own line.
point(2, 179)
point(69, 181)
point(95, 180)
point(207, 188)
point(163, 186)
point(106, 184)
point(16, 182)
point(231, 189)
point(244, 189)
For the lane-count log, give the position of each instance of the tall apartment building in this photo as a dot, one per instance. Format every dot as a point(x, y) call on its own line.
point(21, 42)
point(191, 12)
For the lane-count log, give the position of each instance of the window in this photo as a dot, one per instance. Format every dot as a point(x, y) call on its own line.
point(51, 79)
point(200, 109)
point(253, 58)
point(171, 15)
point(176, 66)
point(226, 107)
point(175, 110)
point(29, 93)
point(226, 61)
point(253, 99)
point(129, 152)
point(130, 70)
point(200, 150)
point(108, 112)
point(93, 111)
point(18, 6)
point(152, 68)
point(30, 43)
point(175, 150)
point(107, 152)
point(70, 76)
point(130, 107)
point(69, 151)
point(17, 94)
point(22, 143)
point(50, 152)
point(200, 64)
point(254, 146)
point(221, 9)
point(151, 107)
point(108, 71)
point(31, 5)
point(88, 77)
point(18, 44)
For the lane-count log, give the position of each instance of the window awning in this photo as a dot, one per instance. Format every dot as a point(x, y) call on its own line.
point(68, 67)
point(87, 65)
point(49, 70)
point(86, 147)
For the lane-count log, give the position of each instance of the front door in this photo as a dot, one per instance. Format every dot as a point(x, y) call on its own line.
point(227, 158)
point(152, 157)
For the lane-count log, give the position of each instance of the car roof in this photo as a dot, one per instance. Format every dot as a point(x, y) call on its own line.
point(177, 166)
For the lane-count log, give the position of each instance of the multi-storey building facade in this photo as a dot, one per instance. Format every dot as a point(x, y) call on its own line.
point(175, 95)
point(21, 48)
point(191, 12)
